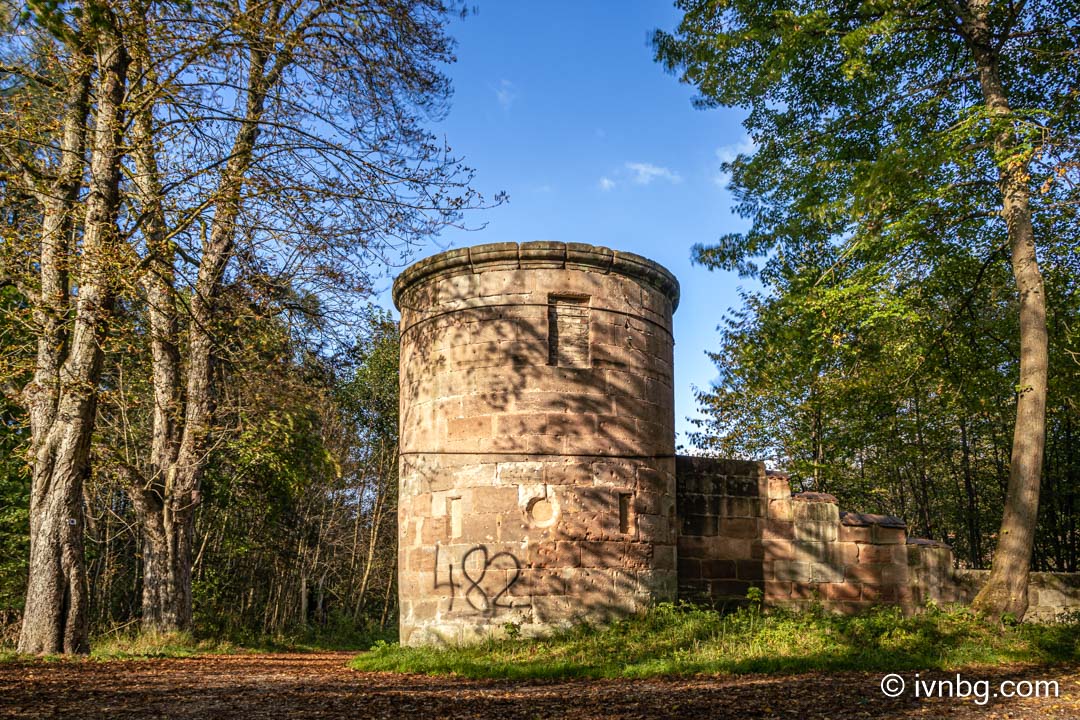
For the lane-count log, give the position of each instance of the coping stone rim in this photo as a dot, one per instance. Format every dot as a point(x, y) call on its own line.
point(579, 256)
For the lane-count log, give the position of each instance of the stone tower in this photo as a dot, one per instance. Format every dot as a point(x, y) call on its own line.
point(537, 438)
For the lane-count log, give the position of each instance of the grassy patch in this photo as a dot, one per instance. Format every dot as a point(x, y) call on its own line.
point(154, 645)
point(136, 645)
point(685, 640)
point(144, 645)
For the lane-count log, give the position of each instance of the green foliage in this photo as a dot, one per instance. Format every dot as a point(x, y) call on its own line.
point(14, 484)
point(878, 361)
point(685, 640)
point(301, 497)
point(14, 512)
point(370, 396)
point(298, 470)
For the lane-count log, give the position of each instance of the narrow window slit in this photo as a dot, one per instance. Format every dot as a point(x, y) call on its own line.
point(625, 500)
point(568, 331)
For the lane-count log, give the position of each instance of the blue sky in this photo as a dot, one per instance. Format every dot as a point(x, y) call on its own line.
point(561, 105)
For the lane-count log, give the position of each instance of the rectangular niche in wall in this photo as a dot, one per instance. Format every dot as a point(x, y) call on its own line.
point(626, 501)
point(568, 331)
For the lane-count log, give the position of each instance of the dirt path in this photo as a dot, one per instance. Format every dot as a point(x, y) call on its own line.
point(321, 686)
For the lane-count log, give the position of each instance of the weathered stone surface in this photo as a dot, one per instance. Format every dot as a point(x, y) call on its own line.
point(856, 519)
point(816, 497)
point(814, 530)
point(849, 533)
point(537, 477)
point(789, 570)
point(888, 535)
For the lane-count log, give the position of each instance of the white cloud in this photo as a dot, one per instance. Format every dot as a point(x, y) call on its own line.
point(728, 153)
point(506, 93)
point(606, 184)
point(645, 173)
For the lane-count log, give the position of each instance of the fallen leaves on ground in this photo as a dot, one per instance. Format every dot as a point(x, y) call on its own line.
point(321, 686)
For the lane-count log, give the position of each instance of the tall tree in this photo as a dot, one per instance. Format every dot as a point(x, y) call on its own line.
point(83, 43)
point(321, 167)
point(161, 153)
point(896, 133)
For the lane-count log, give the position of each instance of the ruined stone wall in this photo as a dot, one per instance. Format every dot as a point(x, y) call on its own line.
point(742, 528)
point(537, 438)
point(934, 578)
point(723, 524)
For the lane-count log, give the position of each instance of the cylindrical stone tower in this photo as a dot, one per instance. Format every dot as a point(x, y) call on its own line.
point(537, 438)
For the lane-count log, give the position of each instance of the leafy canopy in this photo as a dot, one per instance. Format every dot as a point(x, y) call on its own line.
point(872, 139)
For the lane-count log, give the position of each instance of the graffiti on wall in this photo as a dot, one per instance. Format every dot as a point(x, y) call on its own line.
point(483, 579)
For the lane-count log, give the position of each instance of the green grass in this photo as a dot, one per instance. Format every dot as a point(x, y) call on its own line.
point(147, 645)
point(154, 645)
point(672, 640)
point(136, 645)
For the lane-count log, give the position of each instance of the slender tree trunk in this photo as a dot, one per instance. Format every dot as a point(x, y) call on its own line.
point(386, 602)
point(181, 444)
point(819, 453)
point(923, 495)
point(1006, 590)
point(376, 520)
point(974, 537)
point(1070, 496)
point(55, 618)
point(164, 577)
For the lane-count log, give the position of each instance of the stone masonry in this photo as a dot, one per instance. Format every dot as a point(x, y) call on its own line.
point(538, 481)
point(741, 527)
point(537, 470)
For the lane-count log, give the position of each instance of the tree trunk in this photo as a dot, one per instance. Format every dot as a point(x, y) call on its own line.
point(166, 577)
point(51, 622)
point(166, 566)
point(55, 618)
point(922, 496)
point(182, 427)
point(974, 538)
point(1070, 496)
point(1005, 591)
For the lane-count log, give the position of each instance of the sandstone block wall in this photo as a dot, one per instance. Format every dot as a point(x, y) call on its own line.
point(931, 573)
point(722, 507)
point(934, 578)
point(537, 461)
point(741, 527)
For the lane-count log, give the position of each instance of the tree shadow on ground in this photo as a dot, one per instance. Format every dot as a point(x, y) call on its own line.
point(265, 686)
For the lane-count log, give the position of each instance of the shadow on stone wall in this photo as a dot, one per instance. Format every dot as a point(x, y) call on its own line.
point(741, 527)
point(533, 494)
point(538, 482)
